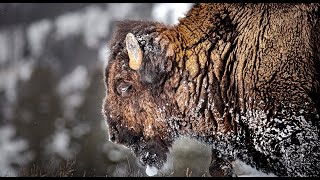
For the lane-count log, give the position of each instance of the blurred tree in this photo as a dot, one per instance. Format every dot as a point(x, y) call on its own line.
point(89, 160)
point(2, 107)
point(36, 111)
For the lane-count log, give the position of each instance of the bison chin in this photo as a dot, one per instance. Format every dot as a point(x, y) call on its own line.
point(152, 153)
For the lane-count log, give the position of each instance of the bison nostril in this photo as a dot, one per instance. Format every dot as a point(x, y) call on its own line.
point(112, 137)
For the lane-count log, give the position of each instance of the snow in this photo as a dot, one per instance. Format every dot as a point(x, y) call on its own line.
point(74, 81)
point(170, 12)
point(104, 53)
point(115, 8)
point(80, 130)
point(96, 25)
point(151, 170)
point(71, 88)
point(12, 151)
point(9, 78)
point(115, 152)
point(68, 24)
point(241, 169)
point(93, 23)
point(115, 155)
point(60, 144)
point(37, 33)
point(4, 48)
point(24, 69)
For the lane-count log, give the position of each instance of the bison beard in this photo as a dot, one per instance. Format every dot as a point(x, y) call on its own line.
point(243, 78)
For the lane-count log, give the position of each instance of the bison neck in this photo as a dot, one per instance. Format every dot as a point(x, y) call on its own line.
point(201, 75)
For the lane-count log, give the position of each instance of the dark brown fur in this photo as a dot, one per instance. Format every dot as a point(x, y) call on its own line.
point(243, 78)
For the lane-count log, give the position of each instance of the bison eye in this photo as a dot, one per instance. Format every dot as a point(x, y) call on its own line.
point(123, 88)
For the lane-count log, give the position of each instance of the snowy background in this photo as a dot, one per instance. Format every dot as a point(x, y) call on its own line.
point(52, 58)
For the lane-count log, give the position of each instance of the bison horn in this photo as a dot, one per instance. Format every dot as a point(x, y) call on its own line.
point(134, 52)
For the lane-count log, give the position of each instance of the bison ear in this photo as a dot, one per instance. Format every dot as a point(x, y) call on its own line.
point(134, 52)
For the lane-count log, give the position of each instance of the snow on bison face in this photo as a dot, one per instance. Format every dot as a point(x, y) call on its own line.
point(135, 106)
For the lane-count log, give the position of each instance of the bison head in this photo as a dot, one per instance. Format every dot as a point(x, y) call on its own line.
point(136, 106)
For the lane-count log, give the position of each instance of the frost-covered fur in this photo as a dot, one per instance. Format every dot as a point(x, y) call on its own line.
point(243, 78)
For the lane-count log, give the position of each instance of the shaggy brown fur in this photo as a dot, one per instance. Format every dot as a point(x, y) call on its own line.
point(243, 78)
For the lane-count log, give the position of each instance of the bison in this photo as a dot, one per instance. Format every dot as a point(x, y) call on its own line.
point(242, 78)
